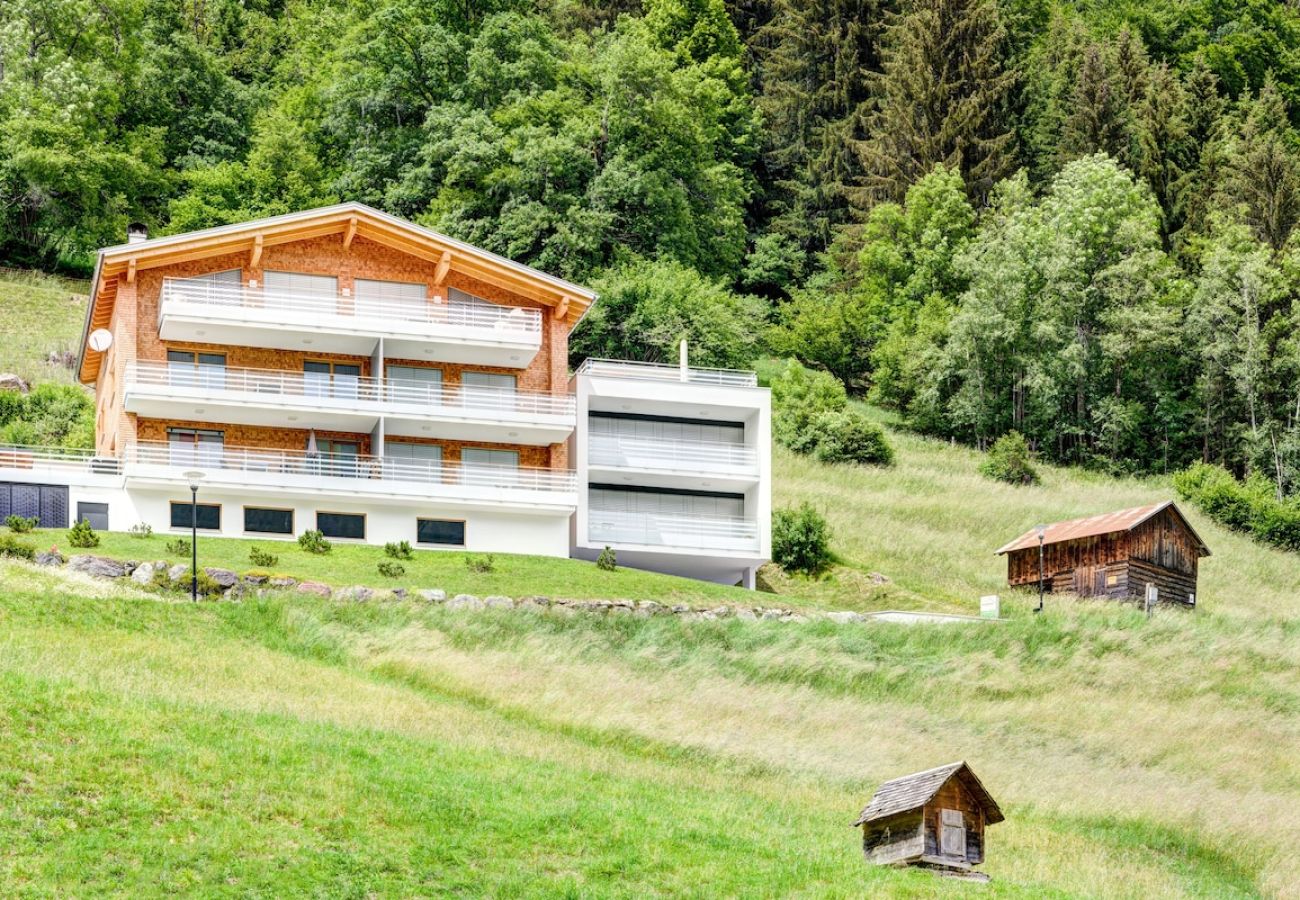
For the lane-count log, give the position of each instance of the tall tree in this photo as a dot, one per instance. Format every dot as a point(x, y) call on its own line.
point(941, 99)
point(1263, 169)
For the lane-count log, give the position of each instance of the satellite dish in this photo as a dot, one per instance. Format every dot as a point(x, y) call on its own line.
point(100, 339)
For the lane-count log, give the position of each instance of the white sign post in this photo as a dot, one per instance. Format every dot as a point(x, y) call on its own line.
point(990, 607)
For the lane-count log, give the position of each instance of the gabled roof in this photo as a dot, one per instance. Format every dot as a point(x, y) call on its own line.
point(914, 791)
point(1106, 523)
point(114, 264)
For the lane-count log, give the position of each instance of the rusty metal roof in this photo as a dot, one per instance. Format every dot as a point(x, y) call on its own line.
point(914, 791)
point(1093, 526)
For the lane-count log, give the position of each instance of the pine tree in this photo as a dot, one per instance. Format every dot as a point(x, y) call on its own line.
point(1165, 154)
point(941, 99)
point(1096, 121)
point(1203, 113)
point(1263, 172)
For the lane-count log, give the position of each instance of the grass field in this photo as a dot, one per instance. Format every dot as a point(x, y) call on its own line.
point(39, 315)
point(298, 746)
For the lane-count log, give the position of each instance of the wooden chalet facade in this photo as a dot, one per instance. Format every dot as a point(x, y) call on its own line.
point(1115, 555)
point(934, 819)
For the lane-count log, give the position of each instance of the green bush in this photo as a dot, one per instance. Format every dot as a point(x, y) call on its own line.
point(801, 539)
point(607, 561)
point(399, 550)
point(82, 535)
point(21, 524)
point(390, 569)
point(1010, 460)
point(205, 585)
point(140, 530)
point(799, 397)
point(50, 415)
point(848, 436)
point(479, 565)
point(12, 547)
point(179, 547)
point(261, 558)
point(1250, 506)
point(314, 542)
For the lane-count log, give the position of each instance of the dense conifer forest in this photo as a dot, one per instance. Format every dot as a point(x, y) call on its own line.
point(1073, 220)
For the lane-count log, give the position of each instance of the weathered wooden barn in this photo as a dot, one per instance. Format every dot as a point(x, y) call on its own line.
point(1115, 555)
point(934, 818)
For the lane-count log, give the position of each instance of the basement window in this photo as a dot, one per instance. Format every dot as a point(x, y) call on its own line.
point(341, 525)
point(268, 521)
point(208, 517)
point(448, 532)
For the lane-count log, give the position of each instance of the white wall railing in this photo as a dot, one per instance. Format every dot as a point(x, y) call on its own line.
point(613, 368)
point(17, 456)
point(667, 530)
point(217, 459)
point(630, 451)
point(279, 384)
point(478, 316)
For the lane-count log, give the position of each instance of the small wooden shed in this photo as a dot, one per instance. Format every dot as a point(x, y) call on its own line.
point(1114, 555)
point(934, 818)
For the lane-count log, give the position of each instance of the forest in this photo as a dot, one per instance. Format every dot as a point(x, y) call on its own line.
point(1072, 220)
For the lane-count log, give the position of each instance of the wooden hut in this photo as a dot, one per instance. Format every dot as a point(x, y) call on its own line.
point(1115, 555)
point(934, 819)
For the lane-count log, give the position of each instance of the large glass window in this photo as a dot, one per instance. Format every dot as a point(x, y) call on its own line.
point(392, 298)
point(302, 284)
point(190, 368)
point(341, 525)
point(448, 532)
point(208, 516)
point(416, 460)
point(195, 447)
point(414, 384)
point(493, 380)
point(215, 287)
point(330, 379)
point(666, 428)
point(268, 521)
point(484, 458)
point(335, 457)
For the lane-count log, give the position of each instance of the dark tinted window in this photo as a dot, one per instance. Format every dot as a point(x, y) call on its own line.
point(439, 531)
point(268, 521)
point(94, 513)
point(341, 525)
point(209, 516)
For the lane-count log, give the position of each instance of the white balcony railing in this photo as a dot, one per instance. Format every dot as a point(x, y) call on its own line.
point(218, 460)
point(15, 456)
point(613, 368)
point(358, 311)
point(665, 530)
point(218, 381)
point(629, 451)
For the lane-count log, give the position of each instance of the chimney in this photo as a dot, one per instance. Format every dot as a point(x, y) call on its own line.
point(137, 232)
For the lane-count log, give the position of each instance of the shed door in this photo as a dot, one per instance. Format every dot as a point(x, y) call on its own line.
point(952, 835)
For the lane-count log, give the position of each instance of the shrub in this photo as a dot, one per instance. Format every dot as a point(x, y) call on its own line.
point(205, 585)
point(12, 547)
point(1249, 506)
point(82, 535)
point(390, 569)
point(261, 558)
point(140, 530)
point(1010, 460)
point(399, 550)
point(21, 524)
point(801, 539)
point(799, 396)
point(179, 547)
point(848, 436)
point(479, 565)
point(314, 542)
point(607, 561)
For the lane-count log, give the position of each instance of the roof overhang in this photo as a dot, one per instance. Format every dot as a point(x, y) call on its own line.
point(1116, 523)
point(114, 265)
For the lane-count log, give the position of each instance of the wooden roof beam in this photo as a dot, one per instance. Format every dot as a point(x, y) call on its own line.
point(350, 233)
point(255, 258)
point(444, 266)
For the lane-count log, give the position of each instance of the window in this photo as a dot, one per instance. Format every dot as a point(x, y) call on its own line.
point(190, 368)
point(335, 457)
point(215, 287)
point(195, 447)
point(94, 513)
point(392, 298)
point(497, 459)
point(666, 501)
point(268, 521)
point(209, 516)
point(416, 460)
point(448, 532)
point(672, 428)
point(493, 380)
point(414, 384)
point(301, 284)
point(341, 525)
point(330, 379)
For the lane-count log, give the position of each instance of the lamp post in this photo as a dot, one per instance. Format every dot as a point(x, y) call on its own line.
point(194, 477)
point(1042, 535)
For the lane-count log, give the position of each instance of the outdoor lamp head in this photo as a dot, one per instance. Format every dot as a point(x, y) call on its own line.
point(194, 478)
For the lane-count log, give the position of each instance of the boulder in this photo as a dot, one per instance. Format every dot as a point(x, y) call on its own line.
point(433, 595)
point(178, 572)
point(49, 558)
point(11, 382)
point(721, 612)
point(769, 615)
point(314, 587)
point(793, 617)
point(237, 592)
point(746, 614)
point(282, 581)
point(649, 607)
point(541, 602)
point(99, 566)
point(499, 602)
point(143, 573)
point(845, 617)
point(464, 601)
point(357, 593)
point(254, 578)
point(223, 577)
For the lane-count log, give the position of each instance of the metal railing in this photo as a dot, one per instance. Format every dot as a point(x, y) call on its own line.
point(664, 453)
point(512, 320)
point(668, 530)
point(216, 458)
point(432, 398)
point(614, 368)
point(18, 456)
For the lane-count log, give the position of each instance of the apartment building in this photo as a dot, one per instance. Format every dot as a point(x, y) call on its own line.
point(344, 370)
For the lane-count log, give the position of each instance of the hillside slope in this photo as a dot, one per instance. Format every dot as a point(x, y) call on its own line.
point(41, 317)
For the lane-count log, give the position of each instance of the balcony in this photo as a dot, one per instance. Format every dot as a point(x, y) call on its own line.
point(672, 532)
point(668, 462)
point(21, 463)
point(645, 371)
point(253, 470)
point(277, 398)
point(479, 334)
